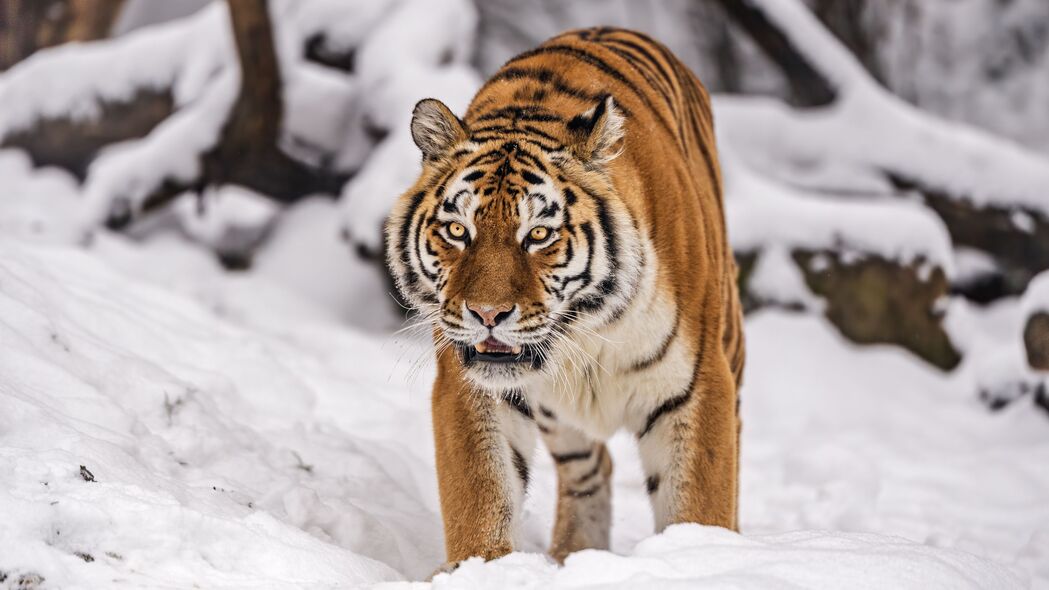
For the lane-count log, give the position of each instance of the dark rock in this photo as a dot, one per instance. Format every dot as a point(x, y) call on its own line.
point(877, 301)
point(1036, 340)
point(86, 474)
point(1021, 251)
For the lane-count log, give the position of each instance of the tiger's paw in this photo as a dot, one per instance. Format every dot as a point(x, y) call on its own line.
point(447, 568)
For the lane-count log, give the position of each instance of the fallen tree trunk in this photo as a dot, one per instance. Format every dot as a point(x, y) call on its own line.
point(809, 87)
point(73, 143)
point(30, 25)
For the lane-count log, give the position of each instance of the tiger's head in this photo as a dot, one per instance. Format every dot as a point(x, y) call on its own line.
point(513, 243)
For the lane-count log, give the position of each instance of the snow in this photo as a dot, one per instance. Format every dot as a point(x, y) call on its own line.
point(343, 24)
point(776, 279)
point(237, 443)
point(396, 162)
point(124, 175)
point(29, 198)
point(688, 556)
point(869, 128)
point(430, 33)
point(971, 265)
point(973, 60)
point(418, 51)
point(1036, 297)
point(762, 213)
point(73, 79)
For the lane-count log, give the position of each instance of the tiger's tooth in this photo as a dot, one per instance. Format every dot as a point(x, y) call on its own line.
point(481, 347)
point(517, 350)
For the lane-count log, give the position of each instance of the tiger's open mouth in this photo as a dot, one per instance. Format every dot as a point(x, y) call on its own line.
point(494, 351)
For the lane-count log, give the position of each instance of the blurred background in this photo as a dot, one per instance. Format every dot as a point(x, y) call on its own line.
point(886, 167)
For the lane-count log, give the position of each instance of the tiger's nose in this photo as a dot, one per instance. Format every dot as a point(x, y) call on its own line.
point(490, 315)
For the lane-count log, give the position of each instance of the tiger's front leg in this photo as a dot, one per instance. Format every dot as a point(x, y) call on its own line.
point(483, 446)
point(689, 447)
point(584, 487)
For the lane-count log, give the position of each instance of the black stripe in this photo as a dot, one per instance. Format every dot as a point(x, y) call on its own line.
point(543, 76)
point(540, 133)
point(530, 159)
point(695, 100)
point(576, 456)
point(531, 178)
point(521, 113)
point(667, 406)
point(432, 276)
point(663, 73)
point(517, 402)
point(652, 484)
point(550, 210)
point(639, 66)
point(584, 276)
point(548, 148)
point(596, 469)
point(676, 402)
point(600, 64)
point(521, 466)
point(663, 348)
point(585, 493)
point(473, 175)
point(608, 285)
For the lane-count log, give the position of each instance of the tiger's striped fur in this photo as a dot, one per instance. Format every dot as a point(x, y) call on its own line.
point(625, 313)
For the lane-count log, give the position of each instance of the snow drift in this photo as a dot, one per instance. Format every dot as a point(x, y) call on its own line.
point(231, 443)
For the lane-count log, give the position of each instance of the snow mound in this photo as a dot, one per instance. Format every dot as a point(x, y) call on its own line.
point(30, 197)
point(690, 556)
point(762, 213)
point(868, 129)
point(72, 80)
point(192, 437)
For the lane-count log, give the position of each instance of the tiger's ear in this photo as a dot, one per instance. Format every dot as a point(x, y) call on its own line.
point(597, 134)
point(435, 128)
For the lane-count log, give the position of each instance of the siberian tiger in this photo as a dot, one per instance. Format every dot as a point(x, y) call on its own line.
point(566, 238)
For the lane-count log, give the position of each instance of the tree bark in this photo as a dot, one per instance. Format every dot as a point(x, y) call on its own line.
point(847, 19)
point(808, 86)
point(248, 153)
point(29, 25)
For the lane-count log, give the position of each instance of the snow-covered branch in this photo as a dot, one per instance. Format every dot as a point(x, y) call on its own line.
point(990, 191)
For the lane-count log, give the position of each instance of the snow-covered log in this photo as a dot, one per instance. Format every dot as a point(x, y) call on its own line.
point(140, 132)
point(991, 192)
point(877, 269)
point(30, 25)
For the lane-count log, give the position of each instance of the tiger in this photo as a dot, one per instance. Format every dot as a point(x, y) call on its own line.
point(565, 242)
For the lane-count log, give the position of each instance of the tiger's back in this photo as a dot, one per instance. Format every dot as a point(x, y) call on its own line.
point(568, 237)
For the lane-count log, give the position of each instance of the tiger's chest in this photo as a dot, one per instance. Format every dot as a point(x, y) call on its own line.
point(613, 378)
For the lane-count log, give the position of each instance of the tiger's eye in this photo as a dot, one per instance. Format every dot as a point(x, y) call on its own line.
point(456, 230)
point(538, 234)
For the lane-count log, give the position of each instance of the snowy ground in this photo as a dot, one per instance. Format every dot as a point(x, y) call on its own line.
point(238, 434)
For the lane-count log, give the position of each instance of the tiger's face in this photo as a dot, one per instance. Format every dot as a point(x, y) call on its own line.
point(511, 248)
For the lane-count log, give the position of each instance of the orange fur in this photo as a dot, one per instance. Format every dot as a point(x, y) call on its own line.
point(612, 129)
